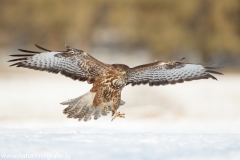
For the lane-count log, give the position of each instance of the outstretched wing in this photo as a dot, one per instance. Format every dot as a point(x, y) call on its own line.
point(72, 63)
point(163, 73)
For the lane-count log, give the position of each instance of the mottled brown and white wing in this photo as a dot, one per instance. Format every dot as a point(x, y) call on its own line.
point(72, 63)
point(163, 73)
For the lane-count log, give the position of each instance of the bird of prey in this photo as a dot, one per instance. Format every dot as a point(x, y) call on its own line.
point(108, 79)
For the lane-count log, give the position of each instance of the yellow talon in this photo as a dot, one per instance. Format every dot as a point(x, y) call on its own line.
point(118, 114)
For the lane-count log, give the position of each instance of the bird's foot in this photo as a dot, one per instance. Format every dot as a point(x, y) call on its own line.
point(118, 114)
point(105, 106)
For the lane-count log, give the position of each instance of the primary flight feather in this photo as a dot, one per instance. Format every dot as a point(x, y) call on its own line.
point(108, 79)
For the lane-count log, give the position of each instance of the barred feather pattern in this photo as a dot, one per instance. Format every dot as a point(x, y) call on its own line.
point(72, 63)
point(163, 73)
point(81, 108)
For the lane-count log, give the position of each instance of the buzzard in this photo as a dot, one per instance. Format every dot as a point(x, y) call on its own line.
point(108, 79)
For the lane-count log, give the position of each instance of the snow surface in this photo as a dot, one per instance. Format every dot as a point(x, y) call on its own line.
point(131, 140)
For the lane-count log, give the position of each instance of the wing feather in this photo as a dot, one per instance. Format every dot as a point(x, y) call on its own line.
point(44, 49)
point(171, 72)
point(72, 63)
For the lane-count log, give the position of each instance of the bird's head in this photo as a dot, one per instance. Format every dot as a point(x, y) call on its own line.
point(122, 69)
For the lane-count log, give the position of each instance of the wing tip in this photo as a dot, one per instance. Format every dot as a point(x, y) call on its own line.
point(211, 76)
point(16, 64)
point(18, 59)
point(214, 72)
point(182, 59)
point(27, 51)
point(39, 47)
point(21, 55)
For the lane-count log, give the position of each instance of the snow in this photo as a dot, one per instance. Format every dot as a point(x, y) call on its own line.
point(123, 141)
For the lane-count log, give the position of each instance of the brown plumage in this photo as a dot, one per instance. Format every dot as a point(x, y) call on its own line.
point(108, 79)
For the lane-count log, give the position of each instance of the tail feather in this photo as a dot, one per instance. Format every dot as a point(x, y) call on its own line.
point(74, 110)
point(81, 108)
point(70, 107)
point(89, 114)
point(70, 101)
point(82, 113)
point(96, 114)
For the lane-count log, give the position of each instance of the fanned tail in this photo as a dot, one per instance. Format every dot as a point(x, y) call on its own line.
point(81, 108)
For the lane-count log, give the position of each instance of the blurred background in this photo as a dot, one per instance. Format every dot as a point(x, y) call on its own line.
point(161, 28)
point(132, 32)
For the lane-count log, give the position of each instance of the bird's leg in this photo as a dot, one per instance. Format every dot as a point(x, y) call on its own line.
point(105, 106)
point(115, 106)
point(116, 114)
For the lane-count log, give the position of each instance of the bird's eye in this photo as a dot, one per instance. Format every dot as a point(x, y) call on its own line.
point(124, 72)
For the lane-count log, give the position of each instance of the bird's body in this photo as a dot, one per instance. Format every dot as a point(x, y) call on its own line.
point(108, 79)
point(108, 87)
